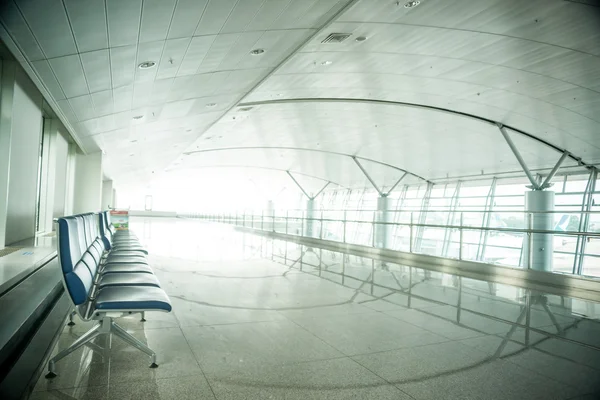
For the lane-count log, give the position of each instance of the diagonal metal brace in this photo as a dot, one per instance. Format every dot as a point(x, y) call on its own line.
point(297, 184)
point(364, 171)
point(304, 191)
point(396, 184)
point(546, 183)
point(515, 151)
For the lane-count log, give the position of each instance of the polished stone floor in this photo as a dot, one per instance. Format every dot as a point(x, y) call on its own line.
point(257, 319)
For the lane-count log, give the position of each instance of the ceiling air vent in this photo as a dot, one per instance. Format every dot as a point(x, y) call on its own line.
point(336, 37)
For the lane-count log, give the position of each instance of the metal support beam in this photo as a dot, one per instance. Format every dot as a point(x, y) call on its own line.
point(584, 221)
point(297, 184)
point(321, 191)
point(450, 219)
point(304, 191)
point(546, 183)
point(487, 217)
point(422, 218)
point(368, 177)
point(515, 151)
point(396, 184)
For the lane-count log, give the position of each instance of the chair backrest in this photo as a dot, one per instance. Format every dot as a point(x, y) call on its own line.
point(105, 233)
point(77, 276)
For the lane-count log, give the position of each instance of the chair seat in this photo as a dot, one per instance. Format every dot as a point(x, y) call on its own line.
point(132, 298)
point(128, 279)
point(120, 268)
point(126, 253)
point(124, 234)
point(126, 242)
point(117, 259)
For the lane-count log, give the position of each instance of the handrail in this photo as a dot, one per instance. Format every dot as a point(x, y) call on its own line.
point(313, 225)
point(414, 224)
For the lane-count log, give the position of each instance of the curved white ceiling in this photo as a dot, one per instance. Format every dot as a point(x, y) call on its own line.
point(533, 65)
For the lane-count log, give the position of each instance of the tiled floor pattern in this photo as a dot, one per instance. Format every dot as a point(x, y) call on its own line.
point(247, 327)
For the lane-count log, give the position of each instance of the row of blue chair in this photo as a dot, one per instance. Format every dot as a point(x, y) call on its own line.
point(106, 275)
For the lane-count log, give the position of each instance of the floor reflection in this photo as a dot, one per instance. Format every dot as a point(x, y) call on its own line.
point(255, 318)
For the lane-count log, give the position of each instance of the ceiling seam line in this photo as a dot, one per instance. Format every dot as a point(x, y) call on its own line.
point(316, 32)
point(476, 32)
point(445, 58)
point(32, 72)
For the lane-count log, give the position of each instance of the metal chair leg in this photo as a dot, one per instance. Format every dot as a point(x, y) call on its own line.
point(143, 316)
point(83, 339)
point(71, 323)
point(123, 334)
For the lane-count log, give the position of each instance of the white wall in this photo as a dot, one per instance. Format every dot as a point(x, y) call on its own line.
point(107, 195)
point(24, 160)
point(6, 99)
point(87, 196)
point(60, 183)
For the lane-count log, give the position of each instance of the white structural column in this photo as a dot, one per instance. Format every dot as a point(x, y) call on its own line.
point(539, 205)
point(310, 221)
point(383, 217)
point(87, 196)
point(49, 175)
point(310, 217)
point(61, 153)
point(7, 81)
point(538, 250)
point(107, 195)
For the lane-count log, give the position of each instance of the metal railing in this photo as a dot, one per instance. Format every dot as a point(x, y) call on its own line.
point(464, 241)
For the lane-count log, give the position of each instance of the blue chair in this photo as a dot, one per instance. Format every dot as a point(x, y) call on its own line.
point(125, 243)
point(100, 295)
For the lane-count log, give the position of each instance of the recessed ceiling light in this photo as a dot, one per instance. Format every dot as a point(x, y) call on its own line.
point(412, 4)
point(326, 62)
point(138, 116)
point(256, 52)
point(211, 104)
point(146, 65)
point(361, 39)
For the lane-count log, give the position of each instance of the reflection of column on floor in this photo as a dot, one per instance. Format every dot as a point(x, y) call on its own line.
point(310, 215)
point(537, 201)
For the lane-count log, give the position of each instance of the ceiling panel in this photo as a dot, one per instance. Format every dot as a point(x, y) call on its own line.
point(534, 65)
point(83, 107)
point(156, 19)
point(122, 98)
point(122, 62)
point(14, 22)
point(197, 50)
point(70, 75)
point(47, 75)
point(186, 17)
point(48, 22)
point(172, 57)
point(96, 66)
point(123, 21)
point(267, 14)
point(103, 102)
point(242, 14)
point(88, 21)
point(214, 16)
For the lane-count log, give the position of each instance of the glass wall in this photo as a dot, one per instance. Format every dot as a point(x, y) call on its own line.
point(490, 203)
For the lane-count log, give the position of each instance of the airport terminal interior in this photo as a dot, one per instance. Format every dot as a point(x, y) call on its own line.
point(300, 199)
